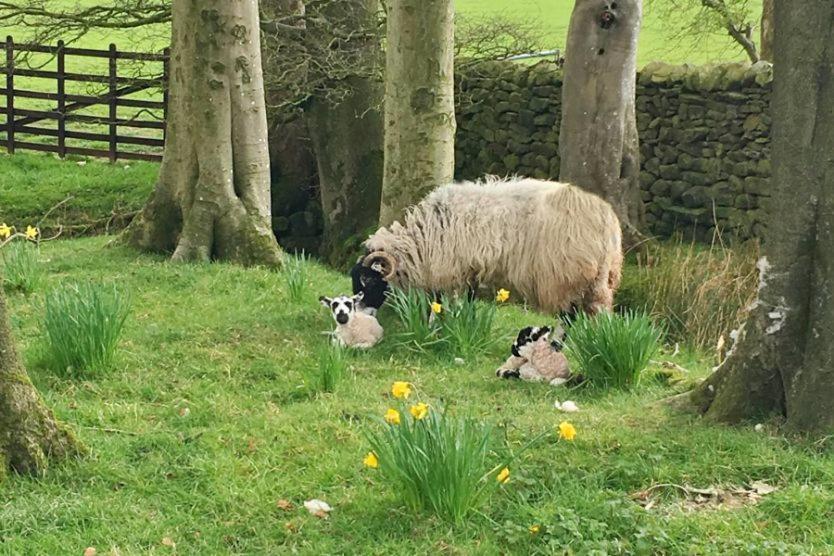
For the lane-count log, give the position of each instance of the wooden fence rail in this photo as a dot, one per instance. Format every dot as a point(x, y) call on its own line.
point(20, 120)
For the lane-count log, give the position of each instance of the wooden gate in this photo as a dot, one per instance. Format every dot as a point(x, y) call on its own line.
point(108, 126)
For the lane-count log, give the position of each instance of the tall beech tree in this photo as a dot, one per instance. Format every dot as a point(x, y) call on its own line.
point(212, 199)
point(598, 143)
point(783, 359)
point(419, 103)
point(30, 436)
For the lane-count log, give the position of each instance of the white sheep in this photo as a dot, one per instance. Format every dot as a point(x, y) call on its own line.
point(354, 328)
point(555, 244)
point(535, 358)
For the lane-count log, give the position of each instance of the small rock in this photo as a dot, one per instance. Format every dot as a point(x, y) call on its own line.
point(759, 427)
point(459, 361)
point(82, 162)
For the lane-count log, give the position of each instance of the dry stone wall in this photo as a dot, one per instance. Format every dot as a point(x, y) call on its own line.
point(704, 134)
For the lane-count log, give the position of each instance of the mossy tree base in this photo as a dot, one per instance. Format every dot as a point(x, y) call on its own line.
point(212, 200)
point(783, 362)
point(30, 436)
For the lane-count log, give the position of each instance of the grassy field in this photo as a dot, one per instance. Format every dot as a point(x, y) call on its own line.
point(89, 194)
point(209, 420)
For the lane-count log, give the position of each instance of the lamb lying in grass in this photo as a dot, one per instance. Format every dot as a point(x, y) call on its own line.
point(354, 328)
point(535, 358)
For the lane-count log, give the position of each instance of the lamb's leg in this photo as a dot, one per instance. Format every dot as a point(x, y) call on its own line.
point(510, 368)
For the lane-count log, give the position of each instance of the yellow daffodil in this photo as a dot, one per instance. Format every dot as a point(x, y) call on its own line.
point(371, 460)
point(5, 231)
point(31, 233)
point(392, 417)
point(567, 431)
point(503, 476)
point(401, 390)
point(436, 308)
point(502, 295)
point(534, 529)
point(419, 411)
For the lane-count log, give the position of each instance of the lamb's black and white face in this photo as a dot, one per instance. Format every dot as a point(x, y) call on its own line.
point(341, 307)
point(527, 337)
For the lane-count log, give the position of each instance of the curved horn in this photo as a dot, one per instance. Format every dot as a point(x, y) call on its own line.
point(390, 263)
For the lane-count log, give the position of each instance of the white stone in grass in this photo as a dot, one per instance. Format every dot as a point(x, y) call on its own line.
point(82, 162)
point(558, 381)
point(459, 361)
point(318, 508)
point(566, 406)
point(759, 427)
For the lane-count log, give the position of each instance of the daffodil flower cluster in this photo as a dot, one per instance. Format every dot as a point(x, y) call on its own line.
point(8, 232)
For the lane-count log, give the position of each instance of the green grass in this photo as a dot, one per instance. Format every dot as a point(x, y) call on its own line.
point(206, 422)
point(20, 268)
point(88, 198)
point(612, 350)
point(82, 324)
point(332, 368)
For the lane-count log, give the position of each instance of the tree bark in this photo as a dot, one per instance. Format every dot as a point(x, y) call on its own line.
point(212, 200)
point(784, 358)
point(347, 136)
point(598, 143)
point(419, 103)
point(30, 436)
point(766, 40)
point(348, 140)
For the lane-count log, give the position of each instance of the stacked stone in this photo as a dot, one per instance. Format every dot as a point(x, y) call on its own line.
point(705, 148)
point(704, 134)
point(508, 120)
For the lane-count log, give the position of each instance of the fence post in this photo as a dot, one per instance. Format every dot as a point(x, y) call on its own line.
point(113, 104)
point(62, 102)
point(166, 80)
point(10, 94)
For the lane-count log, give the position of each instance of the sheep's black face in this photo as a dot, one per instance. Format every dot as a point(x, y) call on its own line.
point(369, 282)
point(528, 335)
point(341, 307)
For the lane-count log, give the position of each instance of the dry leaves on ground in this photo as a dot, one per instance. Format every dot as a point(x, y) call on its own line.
point(695, 499)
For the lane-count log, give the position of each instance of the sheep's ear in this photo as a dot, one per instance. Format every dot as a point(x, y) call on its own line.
point(325, 301)
point(358, 297)
point(545, 332)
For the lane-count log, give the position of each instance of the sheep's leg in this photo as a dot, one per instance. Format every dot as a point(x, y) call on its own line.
point(600, 298)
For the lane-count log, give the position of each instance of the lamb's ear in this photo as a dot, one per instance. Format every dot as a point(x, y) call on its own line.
point(358, 297)
point(325, 301)
point(544, 332)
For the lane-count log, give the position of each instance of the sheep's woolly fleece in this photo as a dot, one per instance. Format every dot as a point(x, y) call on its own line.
point(553, 243)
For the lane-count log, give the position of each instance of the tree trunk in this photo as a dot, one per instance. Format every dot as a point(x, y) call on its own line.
point(212, 199)
point(766, 46)
point(348, 138)
point(598, 143)
point(29, 433)
point(783, 361)
point(419, 103)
